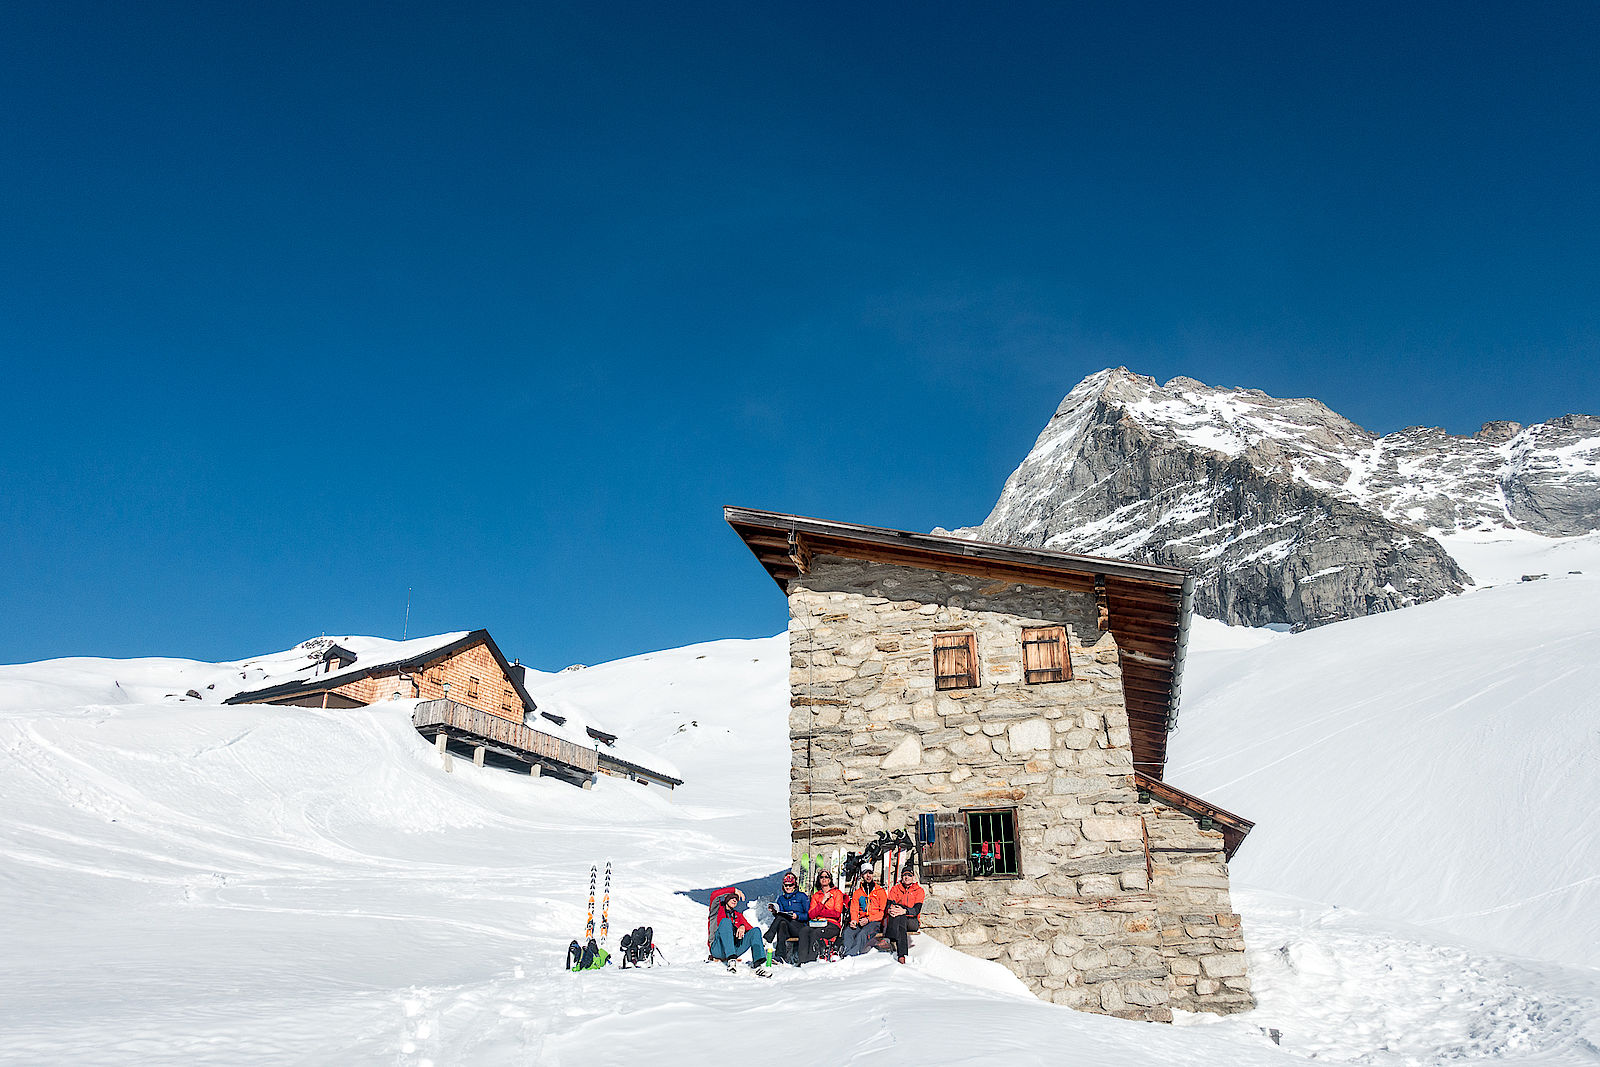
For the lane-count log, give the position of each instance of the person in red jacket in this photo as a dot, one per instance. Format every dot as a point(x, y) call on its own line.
point(867, 902)
point(827, 911)
point(729, 934)
point(901, 914)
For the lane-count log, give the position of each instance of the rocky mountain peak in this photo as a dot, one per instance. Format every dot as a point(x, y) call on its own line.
point(1286, 511)
point(1498, 432)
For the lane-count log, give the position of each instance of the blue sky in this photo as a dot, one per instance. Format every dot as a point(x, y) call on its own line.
point(304, 305)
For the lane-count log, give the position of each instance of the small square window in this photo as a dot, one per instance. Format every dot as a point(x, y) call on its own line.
point(1044, 655)
point(992, 844)
point(955, 661)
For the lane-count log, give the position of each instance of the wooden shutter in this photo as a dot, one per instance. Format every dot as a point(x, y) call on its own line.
point(955, 661)
point(1044, 655)
point(944, 856)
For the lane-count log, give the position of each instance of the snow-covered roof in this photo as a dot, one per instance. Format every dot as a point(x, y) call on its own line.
point(373, 656)
point(575, 728)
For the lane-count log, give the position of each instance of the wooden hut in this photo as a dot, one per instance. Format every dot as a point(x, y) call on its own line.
point(469, 697)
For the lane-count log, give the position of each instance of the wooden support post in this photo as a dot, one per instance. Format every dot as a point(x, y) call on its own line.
point(535, 770)
point(588, 783)
point(439, 742)
point(477, 756)
point(799, 553)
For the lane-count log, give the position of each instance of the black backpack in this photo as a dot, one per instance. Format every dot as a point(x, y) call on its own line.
point(639, 948)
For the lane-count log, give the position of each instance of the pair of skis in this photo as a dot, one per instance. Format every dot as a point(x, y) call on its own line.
point(593, 955)
point(904, 856)
point(605, 906)
point(888, 854)
point(814, 863)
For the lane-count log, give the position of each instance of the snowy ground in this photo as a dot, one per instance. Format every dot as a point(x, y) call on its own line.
point(189, 883)
point(1438, 765)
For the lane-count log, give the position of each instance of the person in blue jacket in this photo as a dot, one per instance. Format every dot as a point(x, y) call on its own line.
point(790, 915)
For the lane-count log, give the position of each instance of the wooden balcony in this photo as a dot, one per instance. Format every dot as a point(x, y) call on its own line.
point(453, 721)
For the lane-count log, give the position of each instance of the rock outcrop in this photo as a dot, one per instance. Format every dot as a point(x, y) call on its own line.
point(1287, 512)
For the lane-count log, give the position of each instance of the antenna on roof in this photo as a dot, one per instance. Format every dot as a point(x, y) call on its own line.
point(405, 630)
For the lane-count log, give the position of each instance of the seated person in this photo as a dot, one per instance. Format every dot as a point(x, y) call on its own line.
point(901, 914)
point(729, 934)
point(866, 915)
point(790, 914)
point(827, 910)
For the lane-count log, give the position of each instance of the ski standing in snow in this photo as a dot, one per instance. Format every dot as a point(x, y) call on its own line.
point(588, 931)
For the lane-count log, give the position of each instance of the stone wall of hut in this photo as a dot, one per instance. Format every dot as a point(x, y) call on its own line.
point(1097, 918)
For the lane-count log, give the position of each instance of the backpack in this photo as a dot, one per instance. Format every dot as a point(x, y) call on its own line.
point(639, 948)
point(590, 957)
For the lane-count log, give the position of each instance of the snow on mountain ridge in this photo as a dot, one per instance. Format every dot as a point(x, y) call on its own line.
point(1286, 511)
point(1422, 475)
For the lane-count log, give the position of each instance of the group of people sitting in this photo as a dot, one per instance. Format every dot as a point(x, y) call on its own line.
point(821, 923)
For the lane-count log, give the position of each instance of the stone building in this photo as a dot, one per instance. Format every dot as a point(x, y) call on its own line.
point(1010, 708)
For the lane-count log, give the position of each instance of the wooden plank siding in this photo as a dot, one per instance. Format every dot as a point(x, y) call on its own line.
point(472, 724)
point(427, 683)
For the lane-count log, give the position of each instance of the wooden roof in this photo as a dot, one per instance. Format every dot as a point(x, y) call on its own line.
point(1234, 827)
point(1147, 606)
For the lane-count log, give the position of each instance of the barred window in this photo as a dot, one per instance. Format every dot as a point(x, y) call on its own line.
point(969, 844)
point(955, 661)
point(1044, 655)
point(992, 844)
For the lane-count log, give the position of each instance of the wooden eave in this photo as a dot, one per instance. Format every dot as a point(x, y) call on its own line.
point(1147, 606)
point(636, 768)
point(1234, 827)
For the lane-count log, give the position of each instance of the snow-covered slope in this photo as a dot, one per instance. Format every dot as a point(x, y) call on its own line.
point(1286, 511)
point(190, 883)
point(1436, 765)
point(696, 706)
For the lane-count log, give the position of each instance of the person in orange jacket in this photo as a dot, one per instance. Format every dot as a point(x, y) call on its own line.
point(827, 912)
point(866, 914)
point(901, 915)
